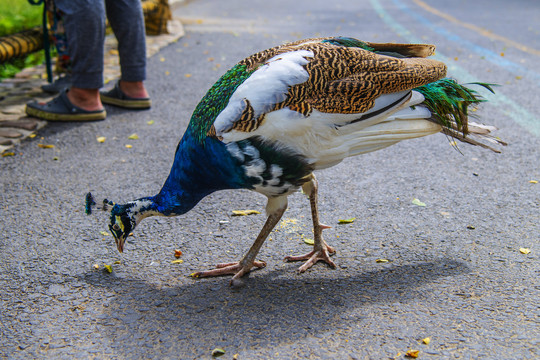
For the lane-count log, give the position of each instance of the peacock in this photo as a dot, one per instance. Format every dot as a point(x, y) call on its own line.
point(279, 115)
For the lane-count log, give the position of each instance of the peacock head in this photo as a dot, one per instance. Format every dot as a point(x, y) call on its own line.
point(123, 222)
point(124, 218)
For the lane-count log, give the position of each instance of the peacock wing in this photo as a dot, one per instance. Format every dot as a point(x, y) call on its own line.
point(330, 75)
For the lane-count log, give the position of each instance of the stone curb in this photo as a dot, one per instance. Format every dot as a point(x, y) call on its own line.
point(15, 93)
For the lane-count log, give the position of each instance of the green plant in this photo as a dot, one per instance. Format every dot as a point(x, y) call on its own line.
point(18, 15)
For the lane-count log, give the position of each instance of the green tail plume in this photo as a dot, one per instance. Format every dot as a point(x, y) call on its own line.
point(449, 102)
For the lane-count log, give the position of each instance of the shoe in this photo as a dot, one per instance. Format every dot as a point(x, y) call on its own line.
point(58, 85)
point(61, 109)
point(117, 97)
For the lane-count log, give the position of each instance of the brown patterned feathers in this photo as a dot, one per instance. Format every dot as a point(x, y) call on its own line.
point(337, 97)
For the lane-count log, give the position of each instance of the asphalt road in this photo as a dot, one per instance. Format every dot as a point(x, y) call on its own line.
point(454, 274)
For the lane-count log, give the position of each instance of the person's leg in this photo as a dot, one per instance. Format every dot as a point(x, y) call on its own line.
point(84, 22)
point(127, 21)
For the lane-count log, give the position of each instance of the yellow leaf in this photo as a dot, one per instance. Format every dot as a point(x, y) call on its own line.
point(309, 241)
point(167, 73)
point(162, 59)
point(533, 181)
point(426, 340)
point(104, 233)
point(524, 250)
point(108, 268)
point(117, 262)
point(129, 146)
point(412, 353)
point(346, 221)
point(8, 154)
point(519, 77)
point(418, 202)
point(244, 212)
point(133, 137)
point(194, 275)
point(101, 139)
point(187, 75)
point(31, 136)
point(218, 352)
point(113, 52)
point(179, 261)
point(381, 260)
point(96, 266)
point(150, 122)
point(45, 146)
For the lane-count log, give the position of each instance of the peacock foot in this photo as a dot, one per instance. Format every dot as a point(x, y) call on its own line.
point(314, 256)
point(235, 268)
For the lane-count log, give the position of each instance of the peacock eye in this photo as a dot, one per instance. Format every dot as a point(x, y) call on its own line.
point(116, 227)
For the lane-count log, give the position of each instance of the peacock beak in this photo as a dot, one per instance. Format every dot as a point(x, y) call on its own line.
point(120, 244)
point(119, 238)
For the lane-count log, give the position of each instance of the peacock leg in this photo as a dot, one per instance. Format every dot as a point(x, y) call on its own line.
point(321, 250)
point(245, 265)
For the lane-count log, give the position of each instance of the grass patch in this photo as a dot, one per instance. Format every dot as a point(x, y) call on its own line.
point(16, 16)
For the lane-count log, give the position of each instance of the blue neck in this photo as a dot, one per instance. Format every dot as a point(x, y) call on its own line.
point(199, 169)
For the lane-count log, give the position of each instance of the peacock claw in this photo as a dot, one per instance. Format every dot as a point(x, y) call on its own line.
point(235, 268)
point(314, 256)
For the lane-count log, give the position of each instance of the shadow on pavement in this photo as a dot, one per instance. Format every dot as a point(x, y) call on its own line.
point(189, 320)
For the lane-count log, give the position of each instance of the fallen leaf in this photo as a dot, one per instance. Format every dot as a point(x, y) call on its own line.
point(244, 212)
point(381, 260)
point(45, 146)
point(96, 266)
point(210, 59)
point(108, 268)
point(133, 137)
point(8, 154)
point(309, 241)
point(346, 221)
point(418, 202)
point(177, 253)
point(217, 352)
point(471, 227)
point(502, 54)
point(187, 75)
point(129, 146)
point(113, 52)
point(519, 77)
point(117, 262)
point(194, 275)
point(524, 250)
point(426, 340)
point(177, 261)
point(412, 353)
point(104, 233)
point(150, 122)
point(31, 136)
point(101, 139)
point(533, 181)
point(167, 73)
point(162, 59)
point(235, 357)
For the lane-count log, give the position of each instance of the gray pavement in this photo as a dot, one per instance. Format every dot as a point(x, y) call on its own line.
point(454, 274)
